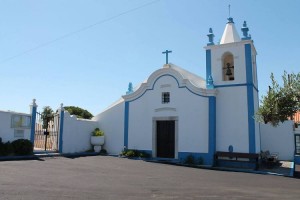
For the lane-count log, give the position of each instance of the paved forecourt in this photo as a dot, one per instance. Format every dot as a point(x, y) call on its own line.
point(101, 177)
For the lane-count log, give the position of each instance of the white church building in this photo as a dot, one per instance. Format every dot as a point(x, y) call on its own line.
point(176, 113)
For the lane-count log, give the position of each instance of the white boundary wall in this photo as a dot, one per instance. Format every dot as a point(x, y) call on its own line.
point(7, 133)
point(77, 133)
point(278, 139)
point(111, 121)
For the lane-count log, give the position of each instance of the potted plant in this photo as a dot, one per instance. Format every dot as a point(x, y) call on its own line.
point(97, 139)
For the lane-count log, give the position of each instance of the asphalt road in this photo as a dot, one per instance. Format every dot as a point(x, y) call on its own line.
point(114, 178)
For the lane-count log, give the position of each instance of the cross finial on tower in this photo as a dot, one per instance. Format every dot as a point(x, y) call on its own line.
point(167, 52)
point(230, 19)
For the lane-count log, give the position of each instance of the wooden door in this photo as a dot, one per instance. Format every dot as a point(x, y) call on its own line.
point(165, 139)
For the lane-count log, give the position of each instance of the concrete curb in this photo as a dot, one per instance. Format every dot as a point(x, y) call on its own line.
point(40, 155)
point(222, 168)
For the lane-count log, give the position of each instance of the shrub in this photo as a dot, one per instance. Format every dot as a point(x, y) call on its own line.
point(6, 149)
point(131, 153)
point(134, 153)
point(103, 152)
point(200, 161)
point(22, 147)
point(190, 160)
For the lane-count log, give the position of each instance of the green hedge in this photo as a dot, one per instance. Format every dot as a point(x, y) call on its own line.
point(17, 147)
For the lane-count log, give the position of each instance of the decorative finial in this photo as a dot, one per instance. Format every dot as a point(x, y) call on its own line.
point(62, 107)
point(230, 20)
point(130, 88)
point(210, 82)
point(34, 102)
point(245, 30)
point(229, 11)
point(210, 36)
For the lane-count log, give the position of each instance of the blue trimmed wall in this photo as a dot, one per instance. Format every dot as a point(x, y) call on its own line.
point(61, 130)
point(250, 99)
point(212, 129)
point(33, 119)
point(126, 125)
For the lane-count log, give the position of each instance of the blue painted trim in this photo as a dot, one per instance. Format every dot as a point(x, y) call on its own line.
point(248, 57)
point(246, 38)
point(177, 84)
point(297, 159)
point(250, 99)
point(205, 156)
point(208, 64)
point(212, 128)
point(237, 85)
point(126, 123)
point(147, 151)
point(61, 130)
point(33, 119)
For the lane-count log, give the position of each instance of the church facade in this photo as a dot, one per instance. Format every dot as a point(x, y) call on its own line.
point(175, 113)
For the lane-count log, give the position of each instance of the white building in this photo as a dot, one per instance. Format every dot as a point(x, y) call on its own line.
point(175, 113)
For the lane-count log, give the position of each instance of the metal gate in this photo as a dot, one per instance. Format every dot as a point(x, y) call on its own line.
point(46, 132)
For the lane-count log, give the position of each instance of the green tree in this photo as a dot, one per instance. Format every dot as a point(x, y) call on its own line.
point(47, 115)
point(79, 112)
point(281, 102)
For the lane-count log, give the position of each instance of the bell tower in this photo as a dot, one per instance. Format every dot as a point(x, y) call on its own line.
point(231, 69)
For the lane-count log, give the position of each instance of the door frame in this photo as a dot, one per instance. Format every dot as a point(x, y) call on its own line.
point(154, 134)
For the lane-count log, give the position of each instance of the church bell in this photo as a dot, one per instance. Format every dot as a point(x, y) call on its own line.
point(228, 71)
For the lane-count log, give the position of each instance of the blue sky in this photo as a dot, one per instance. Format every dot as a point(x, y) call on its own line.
point(85, 52)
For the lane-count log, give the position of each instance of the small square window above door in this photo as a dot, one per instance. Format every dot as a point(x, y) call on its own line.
point(165, 97)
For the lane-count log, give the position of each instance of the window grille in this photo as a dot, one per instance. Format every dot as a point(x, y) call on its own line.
point(165, 97)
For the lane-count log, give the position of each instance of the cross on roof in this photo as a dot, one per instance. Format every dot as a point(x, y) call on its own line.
point(167, 52)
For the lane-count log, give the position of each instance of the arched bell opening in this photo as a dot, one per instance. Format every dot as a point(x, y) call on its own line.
point(228, 66)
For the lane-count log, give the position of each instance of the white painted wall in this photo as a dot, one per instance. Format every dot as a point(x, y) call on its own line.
point(257, 127)
point(111, 121)
point(278, 139)
point(232, 119)
point(6, 131)
point(191, 110)
point(77, 133)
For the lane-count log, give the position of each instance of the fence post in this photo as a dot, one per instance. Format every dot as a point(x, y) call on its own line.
point(33, 108)
point(61, 128)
